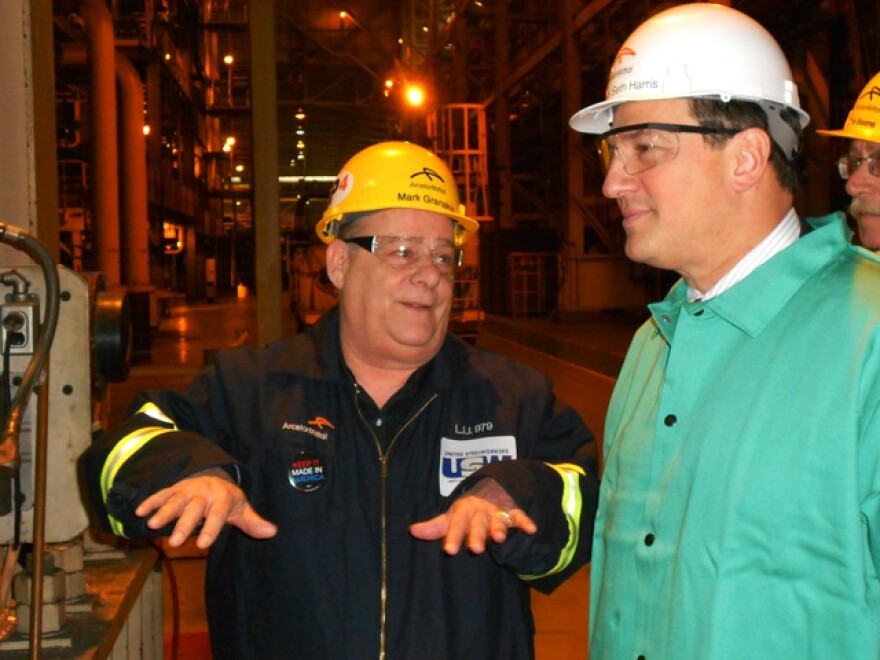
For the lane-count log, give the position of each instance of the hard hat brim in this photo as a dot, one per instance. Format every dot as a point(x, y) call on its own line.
point(468, 225)
point(845, 133)
point(594, 119)
point(597, 118)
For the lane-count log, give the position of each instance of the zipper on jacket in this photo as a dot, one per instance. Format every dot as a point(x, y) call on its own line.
point(383, 508)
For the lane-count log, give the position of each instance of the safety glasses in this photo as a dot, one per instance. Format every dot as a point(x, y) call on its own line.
point(406, 252)
point(643, 146)
point(847, 165)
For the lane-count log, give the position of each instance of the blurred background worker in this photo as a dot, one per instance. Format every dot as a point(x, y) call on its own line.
point(349, 434)
point(739, 513)
point(860, 167)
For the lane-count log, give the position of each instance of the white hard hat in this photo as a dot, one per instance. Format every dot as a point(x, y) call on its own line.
point(700, 50)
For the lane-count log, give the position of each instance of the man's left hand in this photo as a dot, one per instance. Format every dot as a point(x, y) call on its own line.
point(487, 511)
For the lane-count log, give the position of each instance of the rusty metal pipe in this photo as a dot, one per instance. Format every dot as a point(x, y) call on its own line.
point(41, 460)
point(134, 174)
point(101, 47)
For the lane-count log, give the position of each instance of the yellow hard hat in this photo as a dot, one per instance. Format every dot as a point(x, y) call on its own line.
point(395, 175)
point(863, 121)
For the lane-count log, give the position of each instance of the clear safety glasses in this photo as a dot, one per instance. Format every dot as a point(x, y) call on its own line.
point(405, 252)
point(847, 165)
point(643, 146)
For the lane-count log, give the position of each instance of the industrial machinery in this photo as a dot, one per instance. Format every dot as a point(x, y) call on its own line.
point(68, 323)
point(458, 134)
point(311, 291)
point(62, 339)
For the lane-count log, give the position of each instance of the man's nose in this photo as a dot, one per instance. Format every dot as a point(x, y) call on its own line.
point(426, 269)
point(862, 180)
point(617, 179)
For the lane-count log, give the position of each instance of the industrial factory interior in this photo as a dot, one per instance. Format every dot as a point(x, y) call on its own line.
point(170, 159)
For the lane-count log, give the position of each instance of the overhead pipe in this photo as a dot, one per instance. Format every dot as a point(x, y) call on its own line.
point(100, 49)
point(100, 56)
point(134, 174)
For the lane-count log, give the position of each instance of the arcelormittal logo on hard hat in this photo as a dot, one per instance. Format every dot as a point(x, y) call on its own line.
point(871, 93)
point(427, 172)
point(427, 181)
point(623, 52)
point(625, 68)
point(866, 111)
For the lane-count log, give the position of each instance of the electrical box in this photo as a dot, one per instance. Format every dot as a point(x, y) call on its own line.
point(70, 398)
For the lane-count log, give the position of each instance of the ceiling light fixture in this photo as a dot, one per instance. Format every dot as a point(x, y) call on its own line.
point(415, 95)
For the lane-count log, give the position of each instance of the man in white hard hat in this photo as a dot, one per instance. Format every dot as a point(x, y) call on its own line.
point(739, 513)
point(347, 435)
point(860, 167)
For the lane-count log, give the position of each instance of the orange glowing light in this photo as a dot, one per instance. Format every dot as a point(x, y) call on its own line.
point(415, 95)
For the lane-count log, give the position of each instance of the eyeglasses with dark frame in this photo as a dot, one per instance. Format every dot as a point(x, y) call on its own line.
point(847, 165)
point(405, 251)
point(643, 146)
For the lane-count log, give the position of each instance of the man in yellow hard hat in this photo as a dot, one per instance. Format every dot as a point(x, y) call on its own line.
point(347, 435)
point(860, 167)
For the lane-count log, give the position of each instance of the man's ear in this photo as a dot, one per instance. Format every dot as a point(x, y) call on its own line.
point(337, 262)
point(751, 153)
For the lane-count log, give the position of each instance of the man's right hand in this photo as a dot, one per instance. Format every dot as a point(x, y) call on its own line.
point(209, 498)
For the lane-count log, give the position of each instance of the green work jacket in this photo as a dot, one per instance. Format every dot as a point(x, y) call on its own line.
point(739, 512)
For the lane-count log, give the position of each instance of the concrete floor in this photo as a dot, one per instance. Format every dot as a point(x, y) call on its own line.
point(581, 357)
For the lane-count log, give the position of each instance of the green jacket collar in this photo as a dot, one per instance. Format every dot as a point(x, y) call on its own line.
point(755, 301)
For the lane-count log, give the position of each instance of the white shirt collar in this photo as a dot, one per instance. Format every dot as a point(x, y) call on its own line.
point(784, 234)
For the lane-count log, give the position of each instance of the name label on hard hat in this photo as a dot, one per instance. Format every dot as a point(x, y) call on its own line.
point(426, 199)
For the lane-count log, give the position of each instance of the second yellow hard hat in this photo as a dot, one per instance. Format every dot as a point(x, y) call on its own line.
point(863, 121)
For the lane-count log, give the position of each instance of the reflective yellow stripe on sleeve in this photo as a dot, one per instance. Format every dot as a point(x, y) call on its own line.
point(152, 410)
point(571, 509)
point(125, 449)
